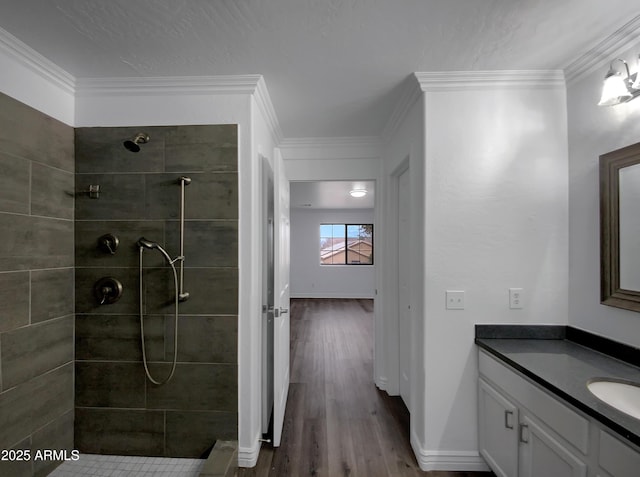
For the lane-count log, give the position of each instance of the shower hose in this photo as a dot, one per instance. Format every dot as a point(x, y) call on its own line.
point(175, 333)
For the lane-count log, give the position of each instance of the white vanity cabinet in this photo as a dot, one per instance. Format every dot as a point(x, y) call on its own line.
point(616, 458)
point(498, 430)
point(543, 455)
point(523, 431)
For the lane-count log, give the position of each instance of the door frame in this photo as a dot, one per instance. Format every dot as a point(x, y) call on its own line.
point(402, 314)
point(391, 339)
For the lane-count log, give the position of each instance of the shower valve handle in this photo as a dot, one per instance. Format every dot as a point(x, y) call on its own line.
point(109, 243)
point(108, 290)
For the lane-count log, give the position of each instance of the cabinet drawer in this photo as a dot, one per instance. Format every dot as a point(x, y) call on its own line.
point(616, 457)
point(567, 423)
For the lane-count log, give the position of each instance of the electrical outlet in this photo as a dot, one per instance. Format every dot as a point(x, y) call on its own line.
point(516, 297)
point(455, 299)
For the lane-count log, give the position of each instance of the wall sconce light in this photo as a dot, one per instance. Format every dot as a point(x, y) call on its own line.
point(358, 193)
point(617, 89)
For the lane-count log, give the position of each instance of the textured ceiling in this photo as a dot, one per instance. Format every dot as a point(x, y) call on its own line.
point(333, 67)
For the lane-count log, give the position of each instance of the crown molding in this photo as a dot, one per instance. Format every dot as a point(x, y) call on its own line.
point(184, 86)
point(468, 80)
point(37, 63)
point(410, 94)
point(322, 142)
point(265, 104)
point(356, 147)
point(420, 83)
point(604, 51)
point(174, 85)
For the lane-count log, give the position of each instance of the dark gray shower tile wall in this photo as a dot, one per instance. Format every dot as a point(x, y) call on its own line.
point(199, 428)
point(36, 285)
point(33, 350)
point(117, 337)
point(118, 411)
point(120, 431)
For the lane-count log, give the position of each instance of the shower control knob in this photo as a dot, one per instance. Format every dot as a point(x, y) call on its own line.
point(107, 290)
point(108, 243)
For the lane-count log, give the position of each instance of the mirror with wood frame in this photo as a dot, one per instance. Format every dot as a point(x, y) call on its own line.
point(620, 228)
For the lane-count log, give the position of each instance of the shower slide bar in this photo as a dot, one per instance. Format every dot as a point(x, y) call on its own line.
point(143, 242)
point(184, 181)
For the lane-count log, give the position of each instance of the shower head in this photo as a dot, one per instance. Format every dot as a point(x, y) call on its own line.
point(133, 144)
point(143, 242)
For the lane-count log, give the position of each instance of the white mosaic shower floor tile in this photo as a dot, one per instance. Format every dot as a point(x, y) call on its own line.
point(93, 465)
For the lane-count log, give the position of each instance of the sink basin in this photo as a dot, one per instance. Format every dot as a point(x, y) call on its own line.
point(623, 395)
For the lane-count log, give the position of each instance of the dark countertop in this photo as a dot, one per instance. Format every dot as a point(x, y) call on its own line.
point(562, 360)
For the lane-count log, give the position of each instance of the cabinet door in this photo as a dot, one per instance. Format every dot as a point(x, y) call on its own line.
point(498, 431)
point(543, 456)
point(616, 457)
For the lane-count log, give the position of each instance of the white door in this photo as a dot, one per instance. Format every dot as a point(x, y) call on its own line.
point(404, 285)
point(268, 294)
point(281, 325)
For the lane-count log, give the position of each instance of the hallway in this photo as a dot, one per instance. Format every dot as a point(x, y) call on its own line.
point(337, 422)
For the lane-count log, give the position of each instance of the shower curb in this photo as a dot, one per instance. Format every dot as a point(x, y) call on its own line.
point(222, 461)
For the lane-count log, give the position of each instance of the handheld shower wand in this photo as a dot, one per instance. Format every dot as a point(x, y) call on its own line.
point(148, 244)
point(143, 244)
point(180, 295)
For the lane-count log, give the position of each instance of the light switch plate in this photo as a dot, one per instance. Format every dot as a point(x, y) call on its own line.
point(455, 299)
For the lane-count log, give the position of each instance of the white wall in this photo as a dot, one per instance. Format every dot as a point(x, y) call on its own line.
point(594, 130)
point(325, 159)
point(309, 279)
point(496, 212)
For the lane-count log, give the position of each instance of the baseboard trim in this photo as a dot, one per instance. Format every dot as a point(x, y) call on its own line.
point(360, 296)
point(381, 382)
point(248, 456)
point(443, 460)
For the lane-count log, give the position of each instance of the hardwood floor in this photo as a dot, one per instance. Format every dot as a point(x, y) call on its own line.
point(337, 422)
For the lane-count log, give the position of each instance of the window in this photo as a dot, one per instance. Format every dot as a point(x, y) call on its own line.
point(346, 244)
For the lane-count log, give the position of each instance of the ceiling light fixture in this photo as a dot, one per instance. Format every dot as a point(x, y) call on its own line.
point(616, 89)
point(358, 193)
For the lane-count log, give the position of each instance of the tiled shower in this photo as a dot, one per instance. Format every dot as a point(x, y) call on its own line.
point(50, 261)
point(118, 411)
